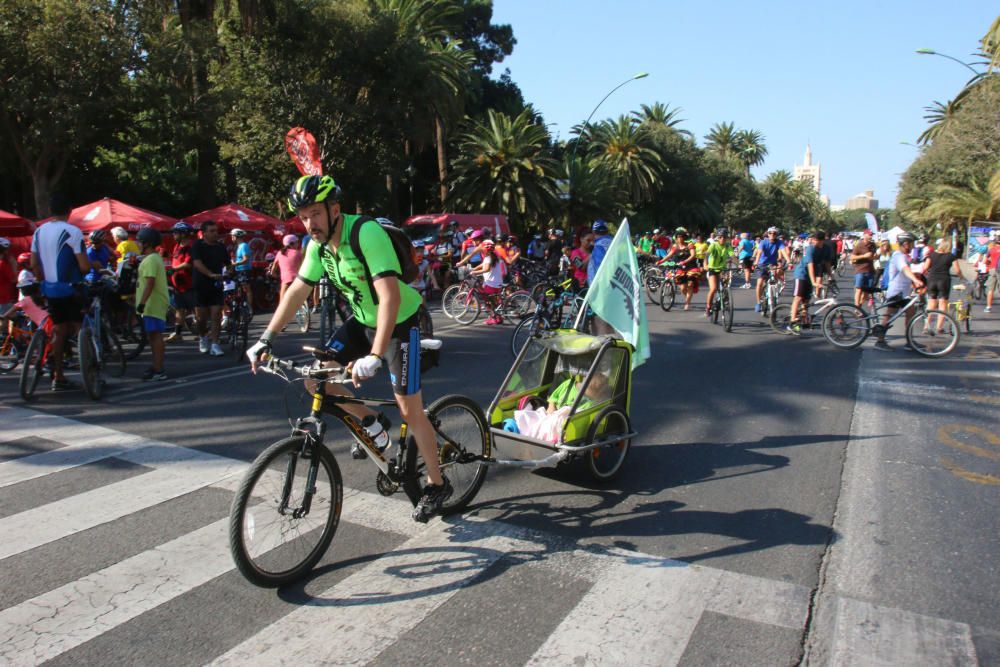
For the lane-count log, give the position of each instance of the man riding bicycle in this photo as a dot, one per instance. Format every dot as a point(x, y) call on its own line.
point(766, 257)
point(383, 330)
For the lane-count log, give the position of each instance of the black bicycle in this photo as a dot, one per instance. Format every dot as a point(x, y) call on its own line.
point(288, 505)
point(239, 313)
point(722, 303)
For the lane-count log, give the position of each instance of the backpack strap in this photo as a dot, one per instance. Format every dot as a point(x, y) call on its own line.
point(355, 242)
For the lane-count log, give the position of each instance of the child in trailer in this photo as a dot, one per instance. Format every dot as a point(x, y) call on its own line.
point(547, 423)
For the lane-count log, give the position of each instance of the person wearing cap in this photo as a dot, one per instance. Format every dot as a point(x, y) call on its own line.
point(536, 248)
point(766, 257)
point(470, 254)
point(29, 305)
point(901, 279)
point(151, 299)
point(24, 275)
point(863, 259)
point(180, 277)
point(808, 275)
point(286, 263)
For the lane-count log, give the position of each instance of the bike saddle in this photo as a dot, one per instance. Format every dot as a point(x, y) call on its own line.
point(430, 344)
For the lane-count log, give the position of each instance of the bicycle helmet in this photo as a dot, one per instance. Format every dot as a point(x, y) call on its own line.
point(599, 226)
point(237, 233)
point(453, 223)
point(559, 233)
point(182, 228)
point(487, 245)
point(97, 236)
point(24, 259)
point(503, 238)
point(476, 234)
point(772, 230)
point(924, 238)
point(119, 233)
point(441, 250)
point(312, 190)
point(722, 231)
point(269, 257)
point(149, 236)
point(681, 230)
point(905, 237)
point(4, 243)
point(385, 222)
point(26, 282)
point(289, 239)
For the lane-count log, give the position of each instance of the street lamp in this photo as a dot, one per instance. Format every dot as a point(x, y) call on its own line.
point(932, 52)
point(572, 157)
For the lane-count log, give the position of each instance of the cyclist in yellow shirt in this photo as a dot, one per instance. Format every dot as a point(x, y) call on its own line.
point(125, 244)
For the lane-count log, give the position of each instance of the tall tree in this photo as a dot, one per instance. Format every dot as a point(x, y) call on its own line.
point(722, 140)
point(626, 150)
point(64, 65)
point(505, 166)
point(750, 149)
point(661, 114)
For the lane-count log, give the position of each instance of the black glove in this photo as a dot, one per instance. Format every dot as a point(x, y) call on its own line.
point(140, 307)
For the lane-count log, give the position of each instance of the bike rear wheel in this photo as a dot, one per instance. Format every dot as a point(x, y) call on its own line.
point(10, 355)
point(272, 539)
point(462, 432)
point(846, 326)
point(652, 279)
point(90, 367)
point(32, 369)
point(668, 294)
point(448, 300)
point(242, 333)
point(303, 317)
point(518, 304)
point(933, 333)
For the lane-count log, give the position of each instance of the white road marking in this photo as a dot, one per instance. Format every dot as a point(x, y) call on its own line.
point(71, 456)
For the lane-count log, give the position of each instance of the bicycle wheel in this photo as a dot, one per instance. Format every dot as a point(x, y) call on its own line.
point(462, 432)
point(32, 369)
point(967, 316)
point(518, 304)
point(781, 316)
point(424, 322)
point(727, 310)
point(714, 309)
point(846, 326)
point(303, 317)
point(604, 462)
point(467, 307)
point(933, 333)
point(273, 539)
point(10, 355)
point(668, 294)
point(112, 354)
point(242, 333)
point(524, 330)
point(90, 367)
point(652, 280)
point(448, 300)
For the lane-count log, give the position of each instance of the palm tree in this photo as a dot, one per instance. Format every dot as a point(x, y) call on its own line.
point(750, 148)
point(721, 140)
point(661, 114)
point(778, 180)
point(504, 165)
point(938, 115)
point(626, 151)
point(991, 43)
point(975, 202)
point(594, 194)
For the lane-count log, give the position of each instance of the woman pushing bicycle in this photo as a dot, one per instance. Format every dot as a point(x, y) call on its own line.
point(383, 330)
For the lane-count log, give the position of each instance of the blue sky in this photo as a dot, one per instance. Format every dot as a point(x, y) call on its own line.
point(842, 76)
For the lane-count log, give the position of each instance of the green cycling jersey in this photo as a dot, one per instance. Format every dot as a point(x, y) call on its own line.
point(347, 272)
point(718, 256)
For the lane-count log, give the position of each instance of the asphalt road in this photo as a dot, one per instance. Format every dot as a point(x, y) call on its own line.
point(826, 492)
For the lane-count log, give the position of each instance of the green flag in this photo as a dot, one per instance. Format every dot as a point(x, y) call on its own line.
point(615, 295)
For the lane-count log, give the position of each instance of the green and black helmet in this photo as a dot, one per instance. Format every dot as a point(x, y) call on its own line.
point(312, 190)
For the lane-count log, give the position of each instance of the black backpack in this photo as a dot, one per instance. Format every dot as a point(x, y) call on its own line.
point(400, 243)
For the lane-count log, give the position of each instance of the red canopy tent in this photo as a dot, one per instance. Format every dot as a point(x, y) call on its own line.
point(107, 213)
point(291, 226)
point(17, 230)
point(232, 216)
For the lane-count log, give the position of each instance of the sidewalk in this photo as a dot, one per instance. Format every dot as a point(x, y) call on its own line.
point(911, 578)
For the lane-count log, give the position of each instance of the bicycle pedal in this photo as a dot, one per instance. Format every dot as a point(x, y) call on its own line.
point(385, 486)
point(358, 453)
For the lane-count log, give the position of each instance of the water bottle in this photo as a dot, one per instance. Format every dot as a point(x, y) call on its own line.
point(376, 430)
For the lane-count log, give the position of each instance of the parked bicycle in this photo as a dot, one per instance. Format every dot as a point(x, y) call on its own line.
point(236, 329)
point(288, 506)
point(812, 316)
point(99, 348)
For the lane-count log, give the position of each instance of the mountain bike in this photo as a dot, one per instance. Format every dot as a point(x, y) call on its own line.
point(812, 315)
point(668, 287)
point(237, 320)
point(722, 302)
point(287, 508)
point(772, 291)
point(98, 345)
point(847, 326)
point(15, 342)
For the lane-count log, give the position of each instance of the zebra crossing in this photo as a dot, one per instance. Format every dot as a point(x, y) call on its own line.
point(461, 590)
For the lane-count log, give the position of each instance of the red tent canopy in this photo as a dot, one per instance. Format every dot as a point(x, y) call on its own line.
point(232, 216)
point(290, 226)
point(12, 224)
point(108, 213)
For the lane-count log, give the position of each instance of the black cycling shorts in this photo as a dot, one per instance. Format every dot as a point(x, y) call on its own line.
point(938, 287)
point(747, 262)
point(353, 340)
point(65, 309)
point(208, 295)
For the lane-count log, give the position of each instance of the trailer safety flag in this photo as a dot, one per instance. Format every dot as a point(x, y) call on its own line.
point(616, 294)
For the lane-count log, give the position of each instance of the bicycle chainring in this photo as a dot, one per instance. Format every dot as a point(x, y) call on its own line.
point(385, 486)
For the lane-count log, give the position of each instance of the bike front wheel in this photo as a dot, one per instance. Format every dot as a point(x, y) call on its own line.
point(90, 367)
point(524, 330)
point(668, 294)
point(933, 333)
point(448, 304)
point(278, 530)
point(303, 317)
point(727, 311)
point(463, 441)
point(34, 359)
point(653, 280)
point(846, 326)
point(781, 317)
point(467, 307)
point(518, 304)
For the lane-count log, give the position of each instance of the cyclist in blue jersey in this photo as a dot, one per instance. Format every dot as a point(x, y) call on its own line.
point(243, 263)
point(766, 257)
point(745, 249)
point(99, 254)
point(59, 262)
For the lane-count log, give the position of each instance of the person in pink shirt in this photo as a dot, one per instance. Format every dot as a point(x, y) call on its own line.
point(286, 263)
point(27, 305)
point(578, 259)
